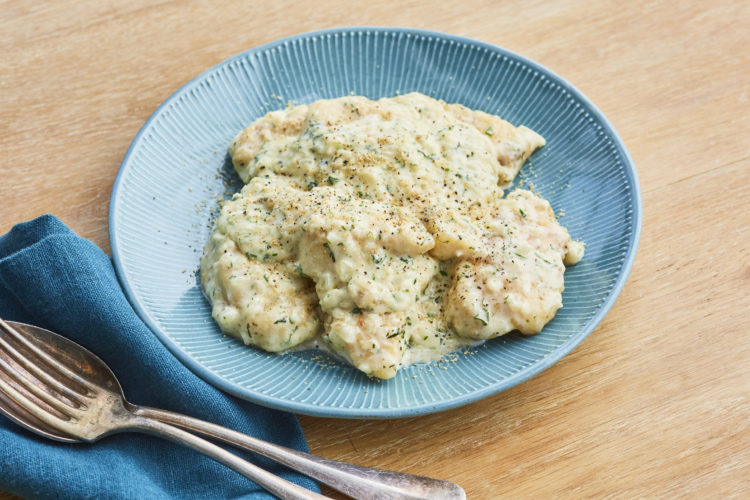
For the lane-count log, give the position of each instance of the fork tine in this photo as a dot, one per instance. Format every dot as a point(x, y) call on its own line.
point(18, 414)
point(46, 358)
point(33, 388)
point(40, 374)
point(32, 407)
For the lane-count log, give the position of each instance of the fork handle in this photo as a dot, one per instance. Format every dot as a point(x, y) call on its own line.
point(363, 483)
point(274, 484)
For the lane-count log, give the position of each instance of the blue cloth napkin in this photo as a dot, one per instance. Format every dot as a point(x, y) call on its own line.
point(52, 278)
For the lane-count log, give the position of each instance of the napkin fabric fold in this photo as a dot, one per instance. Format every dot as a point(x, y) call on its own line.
point(52, 278)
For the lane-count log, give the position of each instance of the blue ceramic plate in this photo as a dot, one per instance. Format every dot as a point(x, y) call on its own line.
point(165, 198)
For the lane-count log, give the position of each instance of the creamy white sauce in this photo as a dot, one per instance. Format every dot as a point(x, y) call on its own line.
point(379, 229)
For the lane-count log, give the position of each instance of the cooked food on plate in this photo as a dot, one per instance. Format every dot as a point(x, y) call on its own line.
point(379, 230)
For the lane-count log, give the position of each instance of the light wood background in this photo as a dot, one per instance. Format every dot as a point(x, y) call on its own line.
point(656, 402)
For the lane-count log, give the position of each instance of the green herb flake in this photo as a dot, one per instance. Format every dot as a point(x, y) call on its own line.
point(330, 252)
point(429, 157)
point(280, 320)
point(486, 320)
point(398, 331)
point(545, 260)
point(523, 214)
point(489, 131)
point(481, 320)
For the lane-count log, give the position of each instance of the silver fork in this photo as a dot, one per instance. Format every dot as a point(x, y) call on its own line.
point(58, 389)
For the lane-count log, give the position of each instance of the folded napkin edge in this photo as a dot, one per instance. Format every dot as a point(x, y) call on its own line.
point(24, 235)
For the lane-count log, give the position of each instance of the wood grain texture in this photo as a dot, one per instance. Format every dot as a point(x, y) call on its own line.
point(656, 402)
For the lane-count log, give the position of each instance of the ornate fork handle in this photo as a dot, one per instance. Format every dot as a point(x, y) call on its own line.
point(355, 481)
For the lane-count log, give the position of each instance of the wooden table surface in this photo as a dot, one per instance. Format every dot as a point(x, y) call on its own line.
point(655, 402)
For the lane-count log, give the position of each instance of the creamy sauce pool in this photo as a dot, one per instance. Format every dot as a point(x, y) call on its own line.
point(379, 229)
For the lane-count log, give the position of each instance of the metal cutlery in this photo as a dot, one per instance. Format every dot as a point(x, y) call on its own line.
point(58, 389)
